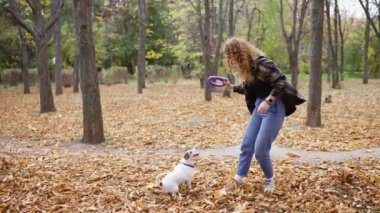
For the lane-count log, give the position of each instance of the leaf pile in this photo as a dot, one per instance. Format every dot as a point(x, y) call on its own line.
point(176, 115)
point(56, 183)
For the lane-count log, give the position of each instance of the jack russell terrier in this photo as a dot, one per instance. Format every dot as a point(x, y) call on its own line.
point(183, 172)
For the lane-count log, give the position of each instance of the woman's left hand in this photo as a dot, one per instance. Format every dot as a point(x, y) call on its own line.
point(263, 107)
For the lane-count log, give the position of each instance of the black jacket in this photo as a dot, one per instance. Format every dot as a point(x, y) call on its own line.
point(269, 80)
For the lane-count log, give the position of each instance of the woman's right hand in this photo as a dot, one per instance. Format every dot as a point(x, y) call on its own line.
point(228, 85)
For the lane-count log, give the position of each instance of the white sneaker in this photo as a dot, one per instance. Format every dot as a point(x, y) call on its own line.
point(269, 186)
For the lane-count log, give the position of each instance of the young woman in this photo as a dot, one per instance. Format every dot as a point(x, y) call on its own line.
point(269, 98)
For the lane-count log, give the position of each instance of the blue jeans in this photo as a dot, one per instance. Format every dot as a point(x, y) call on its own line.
point(260, 133)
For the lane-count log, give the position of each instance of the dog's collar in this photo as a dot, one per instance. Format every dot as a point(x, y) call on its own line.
point(189, 165)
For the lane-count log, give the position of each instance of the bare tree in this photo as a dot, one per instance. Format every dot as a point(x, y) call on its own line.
point(315, 81)
point(141, 51)
point(294, 37)
point(41, 32)
point(93, 132)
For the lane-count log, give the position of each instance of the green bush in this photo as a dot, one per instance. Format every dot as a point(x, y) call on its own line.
point(11, 76)
point(175, 70)
point(114, 75)
point(67, 77)
point(304, 67)
point(156, 72)
point(198, 71)
point(33, 77)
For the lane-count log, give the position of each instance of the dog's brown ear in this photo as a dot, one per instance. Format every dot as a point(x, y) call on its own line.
point(186, 156)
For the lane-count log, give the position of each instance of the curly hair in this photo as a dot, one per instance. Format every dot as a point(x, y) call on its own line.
point(240, 55)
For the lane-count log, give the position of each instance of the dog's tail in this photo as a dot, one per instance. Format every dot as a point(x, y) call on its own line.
point(158, 179)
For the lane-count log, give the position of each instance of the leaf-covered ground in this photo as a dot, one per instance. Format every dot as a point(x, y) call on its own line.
point(176, 115)
point(44, 173)
point(87, 183)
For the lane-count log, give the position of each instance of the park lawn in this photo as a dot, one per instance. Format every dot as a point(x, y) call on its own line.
point(87, 183)
point(176, 116)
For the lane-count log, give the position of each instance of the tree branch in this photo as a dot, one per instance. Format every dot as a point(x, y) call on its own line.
point(19, 19)
point(192, 4)
point(31, 5)
point(301, 19)
point(294, 22)
point(377, 4)
point(238, 11)
point(328, 19)
point(55, 17)
point(366, 11)
point(282, 21)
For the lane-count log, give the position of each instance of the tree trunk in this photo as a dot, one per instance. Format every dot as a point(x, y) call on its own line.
point(315, 81)
point(341, 47)
point(219, 39)
point(335, 83)
point(76, 69)
point(145, 21)
point(329, 64)
point(341, 53)
point(201, 32)
point(58, 52)
point(365, 50)
point(46, 94)
point(377, 68)
point(92, 109)
point(76, 59)
point(207, 49)
point(25, 61)
point(202, 81)
point(42, 39)
point(294, 70)
point(230, 6)
point(293, 38)
point(231, 18)
point(58, 59)
point(249, 18)
point(236, 13)
point(332, 48)
point(141, 51)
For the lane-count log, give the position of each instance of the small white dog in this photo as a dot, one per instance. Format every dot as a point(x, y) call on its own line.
point(183, 172)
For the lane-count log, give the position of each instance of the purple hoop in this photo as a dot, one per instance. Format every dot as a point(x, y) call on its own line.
point(213, 79)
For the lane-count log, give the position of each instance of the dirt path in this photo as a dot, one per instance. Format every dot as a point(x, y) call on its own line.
point(31, 148)
point(280, 152)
